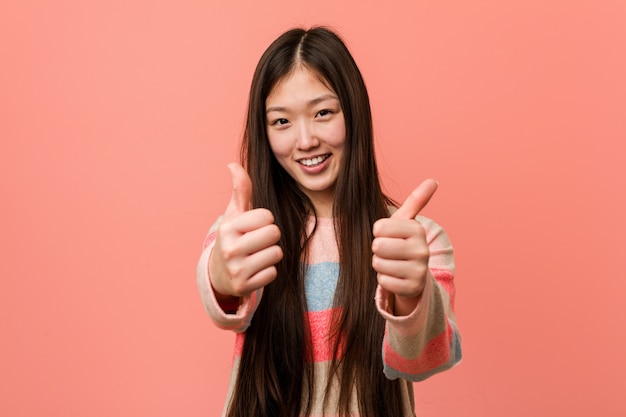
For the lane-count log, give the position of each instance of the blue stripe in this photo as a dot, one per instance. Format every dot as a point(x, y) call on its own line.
point(320, 282)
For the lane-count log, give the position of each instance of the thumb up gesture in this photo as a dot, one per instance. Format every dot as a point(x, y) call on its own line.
point(246, 250)
point(400, 251)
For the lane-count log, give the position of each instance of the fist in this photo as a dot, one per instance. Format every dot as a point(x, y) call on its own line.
point(246, 251)
point(400, 250)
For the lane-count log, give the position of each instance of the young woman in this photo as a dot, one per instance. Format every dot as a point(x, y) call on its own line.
point(339, 299)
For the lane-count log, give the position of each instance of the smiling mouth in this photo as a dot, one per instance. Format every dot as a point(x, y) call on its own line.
point(314, 161)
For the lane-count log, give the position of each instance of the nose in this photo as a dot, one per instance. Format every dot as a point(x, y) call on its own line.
point(307, 139)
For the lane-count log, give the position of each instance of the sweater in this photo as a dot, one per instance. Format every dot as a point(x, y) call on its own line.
point(414, 347)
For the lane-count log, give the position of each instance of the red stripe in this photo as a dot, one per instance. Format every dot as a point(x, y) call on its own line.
point(446, 279)
point(320, 326)
point(435, 353)
point(320, 322)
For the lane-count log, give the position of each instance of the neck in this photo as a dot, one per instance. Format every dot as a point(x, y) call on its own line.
point(322, 202)
point(323, 208)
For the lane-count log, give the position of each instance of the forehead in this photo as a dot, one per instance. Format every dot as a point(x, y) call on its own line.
point(301, 83)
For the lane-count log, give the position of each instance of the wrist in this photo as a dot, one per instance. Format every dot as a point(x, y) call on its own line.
point(404, 306)
point(223, 298)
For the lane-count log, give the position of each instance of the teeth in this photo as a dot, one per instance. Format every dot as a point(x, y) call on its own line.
point(313, 161)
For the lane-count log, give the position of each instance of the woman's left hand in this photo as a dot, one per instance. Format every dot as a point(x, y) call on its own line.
point(400, 250)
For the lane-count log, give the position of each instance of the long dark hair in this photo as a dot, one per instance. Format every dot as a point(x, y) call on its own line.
point(276, 376)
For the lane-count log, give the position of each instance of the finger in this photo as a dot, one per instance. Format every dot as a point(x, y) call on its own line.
point(417, 200)
point(242, 190)
point(248, 221)
point(399, 249)
point(398, 268)
point(400, 287)
point(259, 239)
point(263, 277)
point(259, 280)
point(253, 265)
point(398, 228)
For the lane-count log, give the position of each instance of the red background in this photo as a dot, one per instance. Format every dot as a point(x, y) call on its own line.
point(117, 120)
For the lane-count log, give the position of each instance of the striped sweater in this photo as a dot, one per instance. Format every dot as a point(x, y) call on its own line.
point(414, 347)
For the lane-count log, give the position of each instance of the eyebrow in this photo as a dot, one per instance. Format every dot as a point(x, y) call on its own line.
point(311, 103)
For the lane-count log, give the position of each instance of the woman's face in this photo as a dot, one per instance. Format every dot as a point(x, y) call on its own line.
point(307, 132)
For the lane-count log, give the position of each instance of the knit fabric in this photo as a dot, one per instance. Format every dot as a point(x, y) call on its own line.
point(415, 347)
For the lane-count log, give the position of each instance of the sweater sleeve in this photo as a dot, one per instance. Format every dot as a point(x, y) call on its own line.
point(229, 317)
point(426, 341)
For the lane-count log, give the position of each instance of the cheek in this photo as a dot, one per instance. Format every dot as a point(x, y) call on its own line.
point(279, 146)
point(338, 135)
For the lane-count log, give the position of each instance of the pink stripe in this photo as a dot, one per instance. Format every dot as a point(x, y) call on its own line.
point(322, 247)
point(446, 279)
point(320, 325)
point(320, 322)
point(435, 353)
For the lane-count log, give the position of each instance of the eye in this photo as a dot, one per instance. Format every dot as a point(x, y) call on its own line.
point(324, 113)
point(279, 122)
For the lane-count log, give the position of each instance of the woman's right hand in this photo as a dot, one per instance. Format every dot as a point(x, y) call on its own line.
point(246, 250)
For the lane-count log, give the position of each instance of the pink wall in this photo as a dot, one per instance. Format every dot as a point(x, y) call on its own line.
point(117, 120)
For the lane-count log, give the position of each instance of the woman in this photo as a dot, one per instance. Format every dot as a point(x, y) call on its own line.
point(340, 301)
